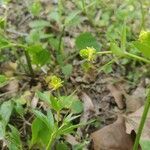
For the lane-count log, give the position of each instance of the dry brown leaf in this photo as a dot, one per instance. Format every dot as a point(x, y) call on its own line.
point(9, 68)
point(113, 137)
point(88, 111)
point(88, 107)
point(11, 88)
point(117, 94)
point(132, 102)
point(34, 101)
point(136, 100)
point(71, 139)
point(133, 121)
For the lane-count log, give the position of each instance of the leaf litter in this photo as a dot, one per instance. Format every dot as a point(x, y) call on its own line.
point(113, 136)
point(97, 99)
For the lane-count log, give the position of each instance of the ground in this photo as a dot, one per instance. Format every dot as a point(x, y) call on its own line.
point(110, 87)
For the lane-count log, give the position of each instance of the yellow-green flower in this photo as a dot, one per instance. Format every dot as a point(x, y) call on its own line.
point(55, 82)
point(144, 36)
point(88, 53)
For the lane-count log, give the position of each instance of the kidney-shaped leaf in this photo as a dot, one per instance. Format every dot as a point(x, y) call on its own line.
point(87, 40)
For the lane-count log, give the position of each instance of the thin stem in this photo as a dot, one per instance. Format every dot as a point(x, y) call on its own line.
point(83, 6)
point(137, 57)
point(26, 55)
point(142, 15)
point(29, 63)
point(105, 52)
point(142, 122)
point(48, 147)
point(129, 55)
point(59, 54)
point(53, 136)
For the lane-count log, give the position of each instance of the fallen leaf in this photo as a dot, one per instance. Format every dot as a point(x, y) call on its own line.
point(136, 100)
point(71, 139)
point(9, 68)
point(132, 122)
point(88, 107)
point(11, 88)
point(117, 94)
point(113, 137)
point(88, 111)
point(34, 101)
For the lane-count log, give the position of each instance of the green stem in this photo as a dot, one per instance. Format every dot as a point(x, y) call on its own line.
point(137, 57)
point(29, 63)
point(59, 55)
point(142, 15)
point(129, 55)
point(26, 55)
point(142, 122)
point(104, 52)
point(48, 147)
point(83, 6)
point(53, 136)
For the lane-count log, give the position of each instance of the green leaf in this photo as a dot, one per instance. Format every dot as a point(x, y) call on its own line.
point(14, 139)
point(42, 117)
point(66, 101)
point(6, 110)
point(40, 133)
point(107, 68)
point(36, 35)
point(62, 146)
point(35, 8)
point(39, 56)
point(71, 102)
point(71, 17)
point(54, 43)
point(67, 70)
point(144, 48)
point(44, 97)
point(39, 24)
point(87, 40)
point(116, 50)
point(19, 109)
point(50, 119)
point(3, 41)
point(2, 129)
point(3, 80)
point(76, 107)
point(145, 144)
point(56, 104)
point(55, 16)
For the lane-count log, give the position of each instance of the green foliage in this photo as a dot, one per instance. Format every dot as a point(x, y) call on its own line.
point(40, 133)
point(4, 1)
point(62, 146)
point(14, 141)
point(5, 113)
point(40, 24)
point(72, 19)
point(145, 144)
point(45, 129)
point(38, 54)
point(3, 80)
point(35, 8)
point(116, 50)
point(87, 40)
point(67, 70)
point(143, 44)
point(62, 102)
point(3, 41)
point(50, 124)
